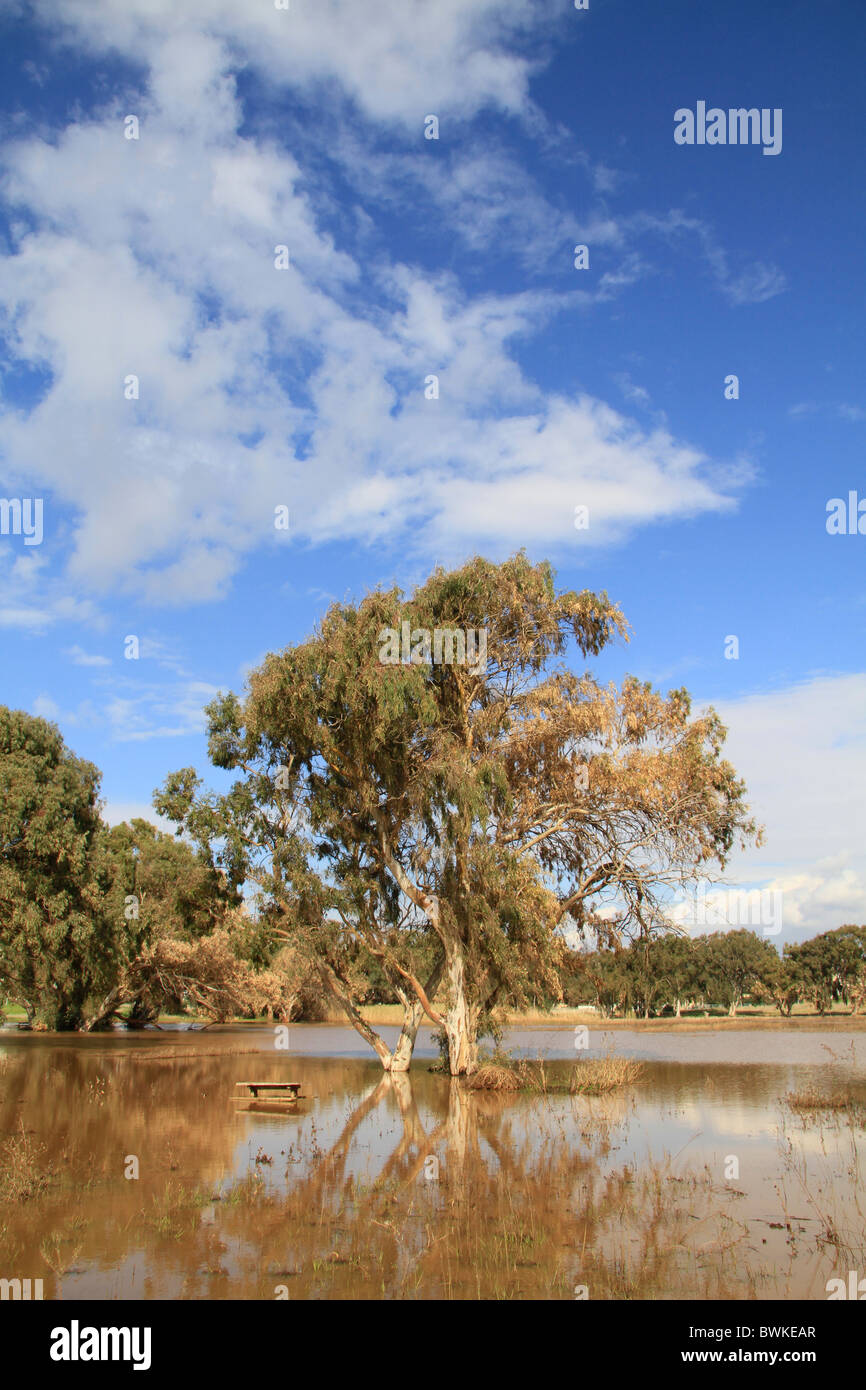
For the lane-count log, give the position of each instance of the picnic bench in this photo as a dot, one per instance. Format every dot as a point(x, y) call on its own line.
point(294, 1087)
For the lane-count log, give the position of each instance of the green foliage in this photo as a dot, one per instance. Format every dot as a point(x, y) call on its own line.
point(830, 968)
point(731, 965)
point(176, 891)
point(82, 906)
point(58, 949)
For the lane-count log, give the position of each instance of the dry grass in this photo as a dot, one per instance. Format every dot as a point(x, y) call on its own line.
point(493, 1078)
point(23, 1171)
point(183, 1054)
point(598, 1075)
point(810, 1098)
point(594, 1077)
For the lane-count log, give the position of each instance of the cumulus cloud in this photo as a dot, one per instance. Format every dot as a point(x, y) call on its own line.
point(802, 753)
point(457, 55)
point(193, 387)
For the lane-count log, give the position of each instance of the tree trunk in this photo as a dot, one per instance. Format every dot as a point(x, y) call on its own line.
point(460, 1021)
point(679, 1009)
point(107, 1009)
point(340, 993)
point(413, 1015)
point(401, 1057)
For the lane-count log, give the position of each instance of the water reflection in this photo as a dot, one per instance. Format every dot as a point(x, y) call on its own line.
point(412, 1186)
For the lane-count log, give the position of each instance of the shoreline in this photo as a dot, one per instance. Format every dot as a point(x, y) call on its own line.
point(390, 1015)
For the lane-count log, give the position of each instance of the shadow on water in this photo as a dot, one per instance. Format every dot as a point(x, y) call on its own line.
point(696, 1182)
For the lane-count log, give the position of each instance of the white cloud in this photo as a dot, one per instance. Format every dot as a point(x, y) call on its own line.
point(754, 284)
point(140, 711)
point(855, 414)
point(260, 387)
point(169, 495)
point(46, 708)
point(454, 56)
point(802, 754)
point(79, 657)
point(638, 395)
point(750, 282)
point(133, 708)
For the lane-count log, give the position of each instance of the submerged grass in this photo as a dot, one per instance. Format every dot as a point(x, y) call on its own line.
point(811, 1099)
point(595, 1076)
point(24, 1172)
point(494, 1078)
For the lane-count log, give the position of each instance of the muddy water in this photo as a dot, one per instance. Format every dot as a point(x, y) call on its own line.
point(697, 1181)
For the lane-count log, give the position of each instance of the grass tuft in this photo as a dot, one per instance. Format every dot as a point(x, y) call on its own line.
point(493, 1078)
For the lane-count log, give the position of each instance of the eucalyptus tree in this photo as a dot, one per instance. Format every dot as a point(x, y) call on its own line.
point(173, 910)
point(485, 803)
point(831, 967)
point(734, 964)
point(673, 960)
point(57, 946)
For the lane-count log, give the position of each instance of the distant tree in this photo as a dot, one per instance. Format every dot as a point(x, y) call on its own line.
point(577, 987)
point(207, 976)
point(732, 964)
point(831, 967)
point(779, 982)
point(607, 972)
point(845, 950)
point(809, 963)
point(176, 892)
point(93, 919)
point(674, 962)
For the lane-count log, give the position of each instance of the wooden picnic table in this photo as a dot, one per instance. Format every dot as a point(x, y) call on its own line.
point(255, 1086)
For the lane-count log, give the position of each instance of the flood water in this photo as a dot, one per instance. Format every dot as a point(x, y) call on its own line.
point(129, 1169)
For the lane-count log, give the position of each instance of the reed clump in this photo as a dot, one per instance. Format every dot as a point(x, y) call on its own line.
point(494, 1078)
point(596, 1076)
point(811, 1098)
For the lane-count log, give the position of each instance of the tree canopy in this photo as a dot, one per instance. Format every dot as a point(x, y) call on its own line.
point(57, 947)
point(486, 806)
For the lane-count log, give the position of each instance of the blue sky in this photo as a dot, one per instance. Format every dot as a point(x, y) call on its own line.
point(454, 257)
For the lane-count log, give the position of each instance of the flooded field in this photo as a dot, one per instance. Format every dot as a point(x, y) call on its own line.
point(129, 1169)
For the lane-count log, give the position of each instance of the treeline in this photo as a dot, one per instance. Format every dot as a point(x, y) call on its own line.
point(722, 970)
point(102, 923)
